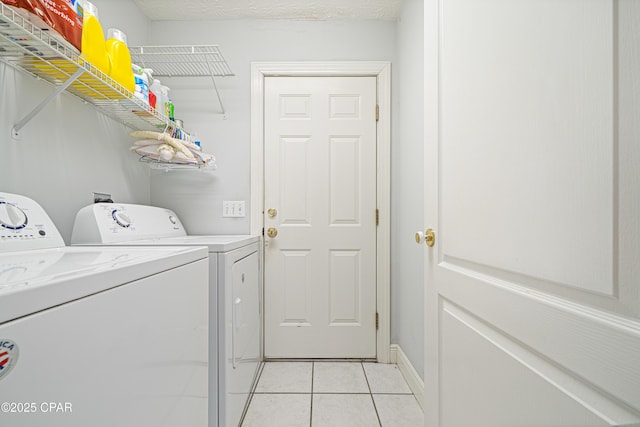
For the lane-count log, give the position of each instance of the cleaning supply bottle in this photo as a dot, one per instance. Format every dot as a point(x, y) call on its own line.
point(170, 110)
point(155, 95)
point(93, 45)
point(142, 83)
point(162, 104)
point(120, 58)
point(149, 73)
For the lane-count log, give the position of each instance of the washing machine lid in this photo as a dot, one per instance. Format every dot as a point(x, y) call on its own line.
point(215, 243)
point(31, 281)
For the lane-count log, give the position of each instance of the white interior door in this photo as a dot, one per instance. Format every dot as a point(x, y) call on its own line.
point(320, 198)
point(532, 187)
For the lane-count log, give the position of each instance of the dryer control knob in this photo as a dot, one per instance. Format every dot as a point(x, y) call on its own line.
point(12, 217)
point(172, 219)
point(121, 218)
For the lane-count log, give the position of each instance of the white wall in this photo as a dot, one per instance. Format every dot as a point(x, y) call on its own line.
point(69, 150)
point(197, 197)
point(124, 15)
point(407, 186)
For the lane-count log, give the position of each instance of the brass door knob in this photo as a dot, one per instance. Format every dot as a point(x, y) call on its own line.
point(430, 237)
point(272, 232)
point(272, 213)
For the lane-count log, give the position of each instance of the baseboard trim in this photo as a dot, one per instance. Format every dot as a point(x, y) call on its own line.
point(416, 384)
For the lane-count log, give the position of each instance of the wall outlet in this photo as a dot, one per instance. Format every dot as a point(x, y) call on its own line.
point(233, 209)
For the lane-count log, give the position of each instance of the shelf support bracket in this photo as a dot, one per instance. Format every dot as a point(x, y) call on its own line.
point(215, 87)
point(218, 95)
point(15, 131)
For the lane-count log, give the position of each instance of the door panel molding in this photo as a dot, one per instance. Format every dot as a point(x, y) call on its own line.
point(382, 71)
point(499, 275)
point(612, 341)
point(534, 368)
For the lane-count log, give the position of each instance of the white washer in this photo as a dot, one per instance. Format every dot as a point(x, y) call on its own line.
point(234, 263)
point(100, 336)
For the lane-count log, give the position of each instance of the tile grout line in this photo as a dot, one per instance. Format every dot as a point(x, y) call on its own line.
point(253, 392)
point(313, 367)
point(296, 392)
point(313, 393)
point(375, 408)
point(335, 392)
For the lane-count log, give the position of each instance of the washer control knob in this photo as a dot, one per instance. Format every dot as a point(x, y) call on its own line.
point(12, 217)
point(173, 219)
point(121, 218)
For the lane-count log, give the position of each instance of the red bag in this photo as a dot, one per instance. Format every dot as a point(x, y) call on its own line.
point(56, 15)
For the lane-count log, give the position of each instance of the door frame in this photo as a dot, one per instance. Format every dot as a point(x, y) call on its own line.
point(431, 116)
point(382, 71)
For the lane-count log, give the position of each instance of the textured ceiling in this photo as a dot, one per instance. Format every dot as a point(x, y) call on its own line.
point(269, 9)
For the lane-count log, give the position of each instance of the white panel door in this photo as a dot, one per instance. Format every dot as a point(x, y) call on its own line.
point(320, 197)
point(533, 190)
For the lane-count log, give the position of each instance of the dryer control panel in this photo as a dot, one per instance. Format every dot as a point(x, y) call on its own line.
point(105, 223)
point(24, 225)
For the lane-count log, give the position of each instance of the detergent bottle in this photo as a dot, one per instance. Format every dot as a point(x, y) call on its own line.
point(163, 98)
point(155, 95)
point(141, 82)
point(120, 59)
point(93, 46)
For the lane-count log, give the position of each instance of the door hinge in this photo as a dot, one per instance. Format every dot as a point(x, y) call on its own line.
point(377, 112)
point(377, 216)
point(377, 321)
point(263, 231)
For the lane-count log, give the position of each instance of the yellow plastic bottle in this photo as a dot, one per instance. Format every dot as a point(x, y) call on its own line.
point(120, 59)
point(93, 45)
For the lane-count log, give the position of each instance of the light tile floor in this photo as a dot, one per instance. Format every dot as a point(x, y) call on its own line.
point(332, 394)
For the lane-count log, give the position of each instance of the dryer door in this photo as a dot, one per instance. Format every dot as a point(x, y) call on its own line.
point(246, 311)
point(243, 333)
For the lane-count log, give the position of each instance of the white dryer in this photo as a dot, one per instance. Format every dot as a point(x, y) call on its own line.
point(98, 336)
point(234, 296)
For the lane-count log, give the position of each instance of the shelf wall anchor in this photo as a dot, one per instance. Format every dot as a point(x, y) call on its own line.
point(15, 131)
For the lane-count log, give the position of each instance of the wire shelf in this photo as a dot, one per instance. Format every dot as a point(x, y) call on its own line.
point(182, 61)
point(169, 166)
point(46, 56)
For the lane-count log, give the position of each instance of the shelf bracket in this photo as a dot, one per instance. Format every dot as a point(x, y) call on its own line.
point(215, 87)
point(15, 131)
point(224, 112)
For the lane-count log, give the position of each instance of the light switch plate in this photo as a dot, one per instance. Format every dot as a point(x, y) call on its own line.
point(233, 209)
